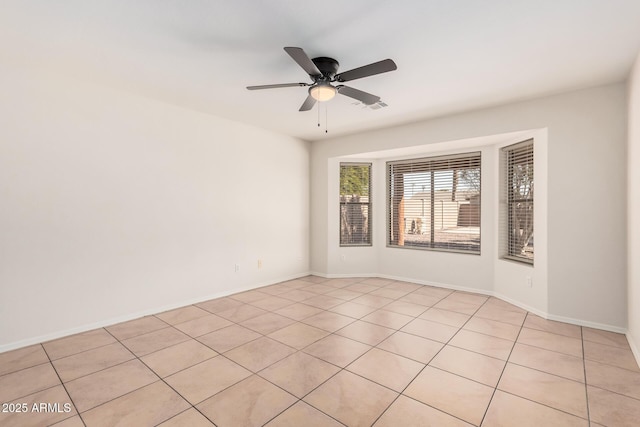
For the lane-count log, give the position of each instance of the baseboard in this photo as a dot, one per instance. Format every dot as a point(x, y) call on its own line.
point(137, 315)
point(586, 323)
point(436, 284)
point(316, 273)
point(343, 276)
point(132, 316)
point(579, 322)
point(634, 347)
point(536, 311)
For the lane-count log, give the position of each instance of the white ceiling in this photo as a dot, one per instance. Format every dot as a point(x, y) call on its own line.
point(452, 55)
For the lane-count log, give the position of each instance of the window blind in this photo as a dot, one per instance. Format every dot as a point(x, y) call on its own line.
point(355, 204)
point(434, 203)
point(519, 180)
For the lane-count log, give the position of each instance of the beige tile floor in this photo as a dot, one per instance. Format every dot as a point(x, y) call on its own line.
point(329, 352)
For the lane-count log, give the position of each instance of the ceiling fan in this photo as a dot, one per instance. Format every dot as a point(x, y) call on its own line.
point(323, 71)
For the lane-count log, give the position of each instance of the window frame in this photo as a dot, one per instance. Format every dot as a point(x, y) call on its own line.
point(470, 156)
point(508, 199)
point(368, 203)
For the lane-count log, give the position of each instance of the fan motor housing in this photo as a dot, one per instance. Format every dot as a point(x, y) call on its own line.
point(327, 66)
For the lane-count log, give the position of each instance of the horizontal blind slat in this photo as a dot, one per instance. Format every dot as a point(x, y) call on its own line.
point(519, 188)
point(434, 203)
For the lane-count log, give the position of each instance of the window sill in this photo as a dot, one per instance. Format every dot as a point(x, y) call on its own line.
point(523, 261)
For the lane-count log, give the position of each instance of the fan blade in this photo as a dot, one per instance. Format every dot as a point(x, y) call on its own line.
point(277, 86)
point(379, 67)
point(364, 97)
point(303, 60)
point(308, 103)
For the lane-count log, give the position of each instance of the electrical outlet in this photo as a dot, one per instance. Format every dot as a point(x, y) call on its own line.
point(259, 263)
point(529, 282)
point(343, 258)
point(237, 267)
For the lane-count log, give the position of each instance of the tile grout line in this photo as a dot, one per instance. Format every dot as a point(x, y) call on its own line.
point(218, 354)
point(64, 387)
point(495, 388)
point(300, 399)
point(341, 369)
point(28, 367)
point(427, 364)
point(531, 400)
point(545, 372)
point(232, 361)
point(503, 369)
point(584, 367)
point(577, 357)
point(159, 379)
point(614, 392)
point(174, 416)
point(134, 356)
point(38, 391)
point(547, 349)
point(545, 405)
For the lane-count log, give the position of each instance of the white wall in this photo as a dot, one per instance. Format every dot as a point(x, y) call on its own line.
point(113, 206)
point(633, 210)
point(585, 135)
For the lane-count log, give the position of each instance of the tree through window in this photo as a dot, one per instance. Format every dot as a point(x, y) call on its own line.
point(519, 200)
point(355, 204)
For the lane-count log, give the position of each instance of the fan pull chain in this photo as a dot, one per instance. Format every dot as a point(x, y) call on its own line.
point(326, 119)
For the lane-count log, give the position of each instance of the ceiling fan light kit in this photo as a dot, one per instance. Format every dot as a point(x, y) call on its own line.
point(323, 71)
point(322, 92)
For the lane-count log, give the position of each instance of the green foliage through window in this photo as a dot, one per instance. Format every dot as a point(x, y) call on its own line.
point(355, 204)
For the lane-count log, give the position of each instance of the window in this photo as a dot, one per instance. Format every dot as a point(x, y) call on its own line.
point(518, 200)
point(434, 203)
point(355, 204)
